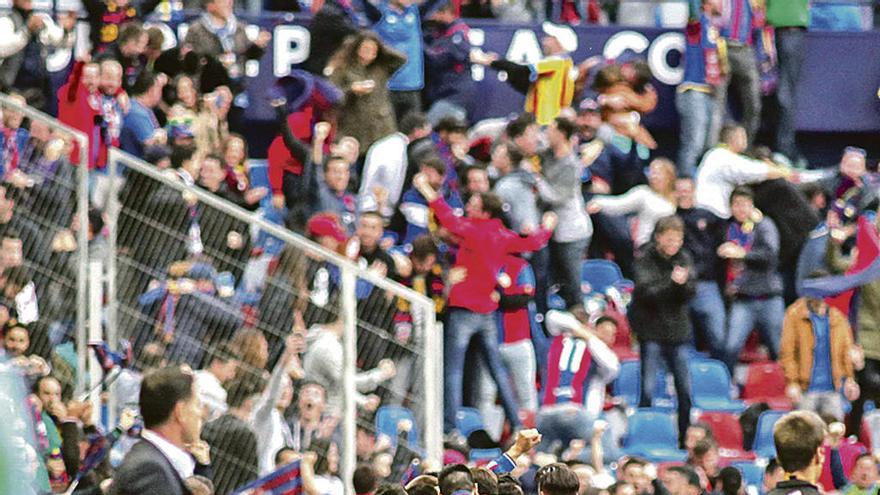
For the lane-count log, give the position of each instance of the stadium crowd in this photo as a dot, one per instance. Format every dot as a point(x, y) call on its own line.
point(504, 223)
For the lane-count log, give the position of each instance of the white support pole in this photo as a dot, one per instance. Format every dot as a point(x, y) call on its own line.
point(349, 354)
point(96, 296)
point(433, 383)
point(112, 306)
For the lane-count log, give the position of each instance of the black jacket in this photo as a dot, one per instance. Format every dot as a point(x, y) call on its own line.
point(329, 28)
point(146, 470)
point(760, 276)
point(780, 200)
point(794, 486)
point(703, 233)
point(234, 452)
point(659, 310)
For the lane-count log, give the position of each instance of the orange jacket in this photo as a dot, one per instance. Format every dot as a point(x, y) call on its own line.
point(796, 348)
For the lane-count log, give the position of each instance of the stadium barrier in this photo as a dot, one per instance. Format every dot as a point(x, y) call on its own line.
point(190, 271)
point(46, 245)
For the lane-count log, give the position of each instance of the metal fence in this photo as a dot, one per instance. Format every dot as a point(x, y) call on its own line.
point(45, 244)
point(192, 274)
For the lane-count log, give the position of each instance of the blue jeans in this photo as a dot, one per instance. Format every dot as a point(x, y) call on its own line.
point(765, 315)
point(790, 50)
point(462, 326)
point(559, 424)
point(695, 113)
point(676, 358)
point(566, 259)
point(709, 317)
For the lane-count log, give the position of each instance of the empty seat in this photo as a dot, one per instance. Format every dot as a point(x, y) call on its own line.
point(753, 475)
point(728, 433)
point(653, 435)
point(763, 445)
point(389, 421)
point(468, 420)
point(710, 386)
point(599, 275)
point(628, 386)
point(765, 382)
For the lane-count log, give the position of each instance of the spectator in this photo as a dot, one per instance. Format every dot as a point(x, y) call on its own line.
point(369, 232)
point(140, 128)
point(703, 234)
point(682, 480)
point(863, 477)
point(309, 422)
point(113, 105)
point(171, 411)
point(129, 51)
point(332, 22)
point(218, 34)
point(556, 479)
point(516, 322)
point(729, 482)
point(649, 203)
point(815, 357)
point(704, 460)
point(222, 366)
point(846, 191)
point(741, 25)
point(456, 478)
point(16, 342)
point(559, 191)
point(364, 480)
point(235, 156)
point(267, 418)
point(386, 166)
point(13, 139)
point(751, 253)
point(790, 18)
point(448, 86)
point(773, 474)
point(232, 440)
point(724, 167)
point(399, 24)
point(26, 38)
point(323, 364)
point(664, 286)
point(414, 206)
point(361, 68)
point(798, 437)
point(484, 241)
point(106, 20)
point(694, 96)
point(326, 467)
point(515, 186)
point(79, 109)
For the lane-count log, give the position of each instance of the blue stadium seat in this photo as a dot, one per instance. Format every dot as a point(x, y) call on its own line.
point(598, 275)
point(763, 444)
point(387, 419)
point(468, 420)
point(710, 386)
point(753, 475)
point(480, 455)
point(653, 435)
point(628, 386)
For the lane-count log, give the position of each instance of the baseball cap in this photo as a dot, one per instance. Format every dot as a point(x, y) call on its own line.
point(564, 34)
point(324, 224)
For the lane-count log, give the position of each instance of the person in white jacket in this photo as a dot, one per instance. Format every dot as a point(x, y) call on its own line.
point(574, 396)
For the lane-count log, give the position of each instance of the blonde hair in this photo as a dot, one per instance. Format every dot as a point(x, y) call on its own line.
point(668, 168)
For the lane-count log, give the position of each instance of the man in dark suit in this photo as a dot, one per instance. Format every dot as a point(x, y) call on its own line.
point(172, 414)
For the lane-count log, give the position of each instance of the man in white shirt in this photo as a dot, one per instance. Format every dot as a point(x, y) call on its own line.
point(385, 167)
point(724, 167)
point(209, 382)
point(172, 414)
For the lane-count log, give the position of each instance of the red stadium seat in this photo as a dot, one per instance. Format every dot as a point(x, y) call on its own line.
point(728, 433)
point(753, 352)
point(766, 383)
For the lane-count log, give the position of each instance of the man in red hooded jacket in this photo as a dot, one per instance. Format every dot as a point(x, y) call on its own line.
point(483, 246)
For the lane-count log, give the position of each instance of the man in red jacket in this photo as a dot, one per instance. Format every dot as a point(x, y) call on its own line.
point(483, 246)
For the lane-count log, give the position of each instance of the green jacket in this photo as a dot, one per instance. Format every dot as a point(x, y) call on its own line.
point(788, 13)
point(868, 325)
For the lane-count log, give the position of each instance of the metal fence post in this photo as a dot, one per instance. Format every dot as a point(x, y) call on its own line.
point(433, 378)
point(112, 303)
point(349, 353)
point(82, 239)
point(96, 299)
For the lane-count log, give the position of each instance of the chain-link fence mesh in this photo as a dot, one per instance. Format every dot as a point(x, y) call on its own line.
point(43, 241)
point(197, 280)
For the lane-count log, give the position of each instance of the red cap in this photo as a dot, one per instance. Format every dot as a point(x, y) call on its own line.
point(324, 224)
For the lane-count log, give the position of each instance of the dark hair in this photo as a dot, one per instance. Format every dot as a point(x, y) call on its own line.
point(797, 436)
point(557, 479)
point(216, 157)
point(155, 38)
point(731, 480)
point(643, 75)
point(742, 192)
point(241, 389)
point(423, 246)
point(347, 54)
point(772, 465)
point(96, 220)
point(727, 131)
point(412, 121)
point(487, 482)
point(364, 479)
point(281, 452)
point(222, 353)
point(470, 168)
point(508, 485)
point(422, 490)
point(390, 489)
point(451, 124)
point(455, 477)
point(332, 159)
point(182, 153)
point(703, 447)
point(617, 486)
point(130, 31)
point(513, 152)
point(606, 319)
point(665, 224)
point(634, 461)
point(492, 204)
point(688, 474)
point(517, 127)
point(321, 447)
point(145, 80)
point(566, 127)
point(434, 162)
point(161, 390)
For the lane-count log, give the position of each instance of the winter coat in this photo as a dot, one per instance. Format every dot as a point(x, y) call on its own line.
point(659, 311)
